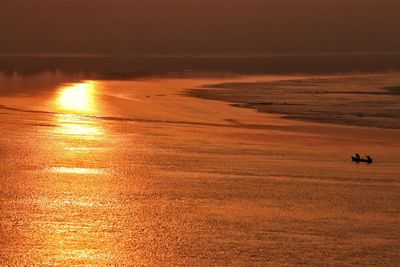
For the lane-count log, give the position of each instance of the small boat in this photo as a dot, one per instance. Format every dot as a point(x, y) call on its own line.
point(367, 160)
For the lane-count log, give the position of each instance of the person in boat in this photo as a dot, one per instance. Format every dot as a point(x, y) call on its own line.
point(358, 156)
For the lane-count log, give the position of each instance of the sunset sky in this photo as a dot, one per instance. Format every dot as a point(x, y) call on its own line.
point(187, 27)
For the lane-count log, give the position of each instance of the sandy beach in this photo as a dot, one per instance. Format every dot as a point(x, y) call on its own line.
point(139, 173)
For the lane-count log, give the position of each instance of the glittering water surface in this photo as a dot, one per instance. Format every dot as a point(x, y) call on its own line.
point(135, 173)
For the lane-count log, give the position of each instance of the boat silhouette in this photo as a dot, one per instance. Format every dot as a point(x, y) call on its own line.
point(357, 159)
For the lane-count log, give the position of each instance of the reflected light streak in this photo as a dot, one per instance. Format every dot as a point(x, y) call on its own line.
point(76, 170)
point(77, 98)
point(74, 230)
point(82, 128)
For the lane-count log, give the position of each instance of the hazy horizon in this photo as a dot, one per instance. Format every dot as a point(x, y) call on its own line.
point(177, 27)
point(244, 55)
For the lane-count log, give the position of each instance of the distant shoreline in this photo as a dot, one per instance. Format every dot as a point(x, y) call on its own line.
point(125, 67)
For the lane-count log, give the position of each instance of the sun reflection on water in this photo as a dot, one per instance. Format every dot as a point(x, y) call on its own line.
point(77, 134)
point(79, 171)
point(68, 170)
point(82, 128)
point(75, 101)
point(78, 98)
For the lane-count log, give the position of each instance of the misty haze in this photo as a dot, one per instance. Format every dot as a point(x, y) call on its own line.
point(210, 27)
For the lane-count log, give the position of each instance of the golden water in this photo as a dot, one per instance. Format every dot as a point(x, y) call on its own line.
point(132, 173)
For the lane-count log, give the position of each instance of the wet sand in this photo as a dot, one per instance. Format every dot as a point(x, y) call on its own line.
point(371, 100)
point(137, 173)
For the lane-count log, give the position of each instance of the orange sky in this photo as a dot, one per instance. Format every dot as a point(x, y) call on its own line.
point(198, 26)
